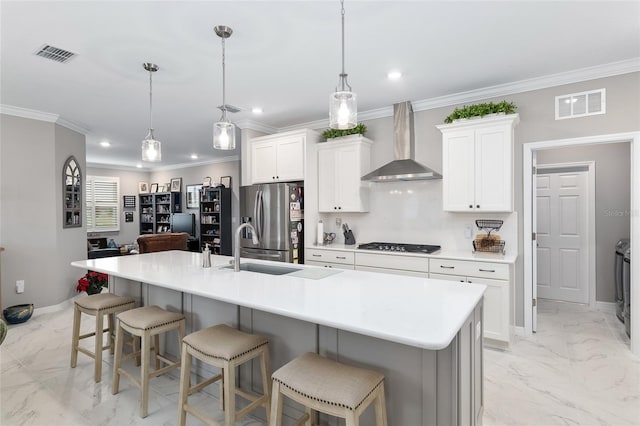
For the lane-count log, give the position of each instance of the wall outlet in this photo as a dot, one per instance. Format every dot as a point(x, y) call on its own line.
point(468, 230)
point(338, 222)
point(20, 286)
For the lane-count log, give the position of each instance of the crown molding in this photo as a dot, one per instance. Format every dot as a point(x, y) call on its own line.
point(148, 169)
point(584, 74)
point(41, 116)
point(247, 123)
point(28, 113)
point(196, 164)
point(118, 167)
point(72, 126)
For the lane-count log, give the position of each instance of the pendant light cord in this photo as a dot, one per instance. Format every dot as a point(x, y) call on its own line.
point(224, 81)
point(150, 102)
point(343, 75)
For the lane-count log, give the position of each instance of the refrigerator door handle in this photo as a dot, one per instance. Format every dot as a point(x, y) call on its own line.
point(255, 212)
point(260, 218)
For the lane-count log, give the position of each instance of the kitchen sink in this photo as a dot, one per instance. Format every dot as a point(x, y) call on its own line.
point(265, 269)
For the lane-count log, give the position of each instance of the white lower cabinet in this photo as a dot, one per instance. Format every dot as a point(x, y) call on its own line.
point(392, 264)
point(497, 316)
point(329, 258)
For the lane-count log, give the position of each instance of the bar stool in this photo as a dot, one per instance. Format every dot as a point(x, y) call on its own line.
point(145, 322)
point(97, 305)
point(226, 348)
point(328, 386)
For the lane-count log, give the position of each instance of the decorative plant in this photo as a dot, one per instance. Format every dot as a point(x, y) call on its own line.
point(92, 282)
point(336, 133)
point(480, 110)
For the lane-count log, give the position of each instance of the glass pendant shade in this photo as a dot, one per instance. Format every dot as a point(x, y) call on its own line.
point(343, 110)
point(224, 135)
point(151, 149)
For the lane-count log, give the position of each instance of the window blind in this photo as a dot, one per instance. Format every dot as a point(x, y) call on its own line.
point(102, 202)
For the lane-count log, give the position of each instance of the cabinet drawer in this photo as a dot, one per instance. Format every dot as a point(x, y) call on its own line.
point(499, 271)
point(405, 263)
point(329, 264)
point(345, 257)
point(392, 271)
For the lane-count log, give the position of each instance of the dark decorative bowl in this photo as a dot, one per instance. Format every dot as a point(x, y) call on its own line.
point(19, 313)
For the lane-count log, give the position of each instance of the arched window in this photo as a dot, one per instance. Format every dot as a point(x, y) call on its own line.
point(72, 190)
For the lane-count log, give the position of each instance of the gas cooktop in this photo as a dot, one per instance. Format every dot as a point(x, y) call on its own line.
point(399, 247)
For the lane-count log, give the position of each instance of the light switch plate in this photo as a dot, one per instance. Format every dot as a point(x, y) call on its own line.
point(20, 286)
point(467, 231)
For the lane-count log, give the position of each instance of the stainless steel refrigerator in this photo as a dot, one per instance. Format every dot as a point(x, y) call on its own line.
point(276, 211)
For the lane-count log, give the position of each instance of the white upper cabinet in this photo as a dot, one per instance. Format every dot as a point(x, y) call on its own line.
point(341, 164)
point(279, 157)
point(477, 164)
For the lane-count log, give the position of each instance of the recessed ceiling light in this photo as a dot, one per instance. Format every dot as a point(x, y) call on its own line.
point(256, 110)
point(194, 156)
point(139, 165)
point(394, 75)
point(105, 144)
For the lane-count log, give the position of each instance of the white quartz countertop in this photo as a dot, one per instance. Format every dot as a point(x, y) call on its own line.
point(420, 312)
point(509, 258)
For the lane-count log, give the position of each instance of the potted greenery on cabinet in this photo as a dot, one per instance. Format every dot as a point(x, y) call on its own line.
point(481, 110)
point(332, 134)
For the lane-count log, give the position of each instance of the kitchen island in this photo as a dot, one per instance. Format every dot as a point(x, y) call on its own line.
point(424, 335)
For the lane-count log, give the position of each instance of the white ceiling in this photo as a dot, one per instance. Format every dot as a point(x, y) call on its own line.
point(284, 57)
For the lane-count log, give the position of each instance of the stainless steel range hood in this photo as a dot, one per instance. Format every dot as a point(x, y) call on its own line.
point(404, 167)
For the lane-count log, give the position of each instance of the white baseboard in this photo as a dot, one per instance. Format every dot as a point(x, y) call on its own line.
point(56, 308)
point(606, 307)
point(519, 331)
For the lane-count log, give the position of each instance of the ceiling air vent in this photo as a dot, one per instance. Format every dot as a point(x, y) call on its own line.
point(581, 104)
point(55, 53)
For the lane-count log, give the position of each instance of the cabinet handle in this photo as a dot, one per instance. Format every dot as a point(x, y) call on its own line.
point(339, 208)
point(477, 206)
point(335, 208)
point(447, 267)
point(470, 206)
point(316, 255)
point(273, 177)
point(486, 270)
point(341, 257)
point(278, 177)
point(461, 281)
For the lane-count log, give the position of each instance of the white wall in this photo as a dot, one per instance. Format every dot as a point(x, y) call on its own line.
point(38, 249)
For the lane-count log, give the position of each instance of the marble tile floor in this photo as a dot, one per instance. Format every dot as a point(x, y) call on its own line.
point(577, 370)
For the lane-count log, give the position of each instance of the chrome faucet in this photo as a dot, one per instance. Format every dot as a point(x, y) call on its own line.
point(236, 249)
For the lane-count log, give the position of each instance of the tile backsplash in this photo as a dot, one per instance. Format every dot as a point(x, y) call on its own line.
point(411, 212)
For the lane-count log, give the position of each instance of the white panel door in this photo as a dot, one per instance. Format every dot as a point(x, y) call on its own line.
point(562, 235)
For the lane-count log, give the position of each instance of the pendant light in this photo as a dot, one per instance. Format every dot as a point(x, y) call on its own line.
point(343, 110)
point(151, 148)
point(224, 131)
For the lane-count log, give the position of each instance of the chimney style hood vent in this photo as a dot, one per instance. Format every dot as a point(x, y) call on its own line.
point(404, 167)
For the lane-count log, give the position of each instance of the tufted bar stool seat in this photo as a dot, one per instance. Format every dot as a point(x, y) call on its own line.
point(97, 305)
point(225, 348)
point(325, 385)
point(145, 323)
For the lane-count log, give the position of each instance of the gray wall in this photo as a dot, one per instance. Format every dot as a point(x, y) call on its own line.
point(612, 203)
point(38, 249)
point(196, 174)
point(537, 123)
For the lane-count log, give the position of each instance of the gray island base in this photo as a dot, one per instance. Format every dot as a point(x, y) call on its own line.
point(347, 317)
